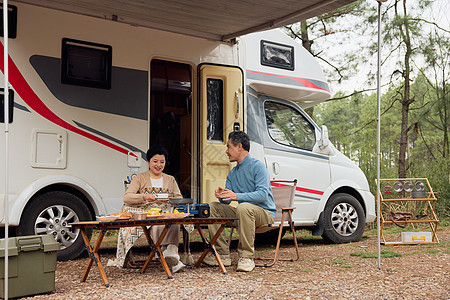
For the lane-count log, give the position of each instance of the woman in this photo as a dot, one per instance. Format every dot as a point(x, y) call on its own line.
point(142, 194)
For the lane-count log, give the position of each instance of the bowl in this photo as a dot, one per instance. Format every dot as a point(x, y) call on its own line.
point(140, 216)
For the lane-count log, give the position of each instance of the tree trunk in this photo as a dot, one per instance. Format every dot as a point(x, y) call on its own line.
point(445, 119)
point(406, 100)
point(403, 140)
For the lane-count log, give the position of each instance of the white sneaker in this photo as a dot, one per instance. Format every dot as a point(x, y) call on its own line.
point(171, 255)
point(210, 260)
point(180, 266)
point(245, 264)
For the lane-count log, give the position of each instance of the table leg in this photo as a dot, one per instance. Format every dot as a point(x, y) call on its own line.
point(186, 257)
point(156, 248)
point(93, 255)
point(209, 246)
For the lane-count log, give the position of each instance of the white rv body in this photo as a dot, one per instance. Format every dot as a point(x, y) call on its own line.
point(82, 142)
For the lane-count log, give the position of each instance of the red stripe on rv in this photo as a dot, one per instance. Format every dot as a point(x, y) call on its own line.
point(300, 189)
point(302, 81)
point(29, 96)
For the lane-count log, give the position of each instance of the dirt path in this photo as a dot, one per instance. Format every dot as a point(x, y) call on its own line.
point(347, 271)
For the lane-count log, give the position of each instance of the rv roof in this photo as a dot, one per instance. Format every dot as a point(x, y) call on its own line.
point(212, 19)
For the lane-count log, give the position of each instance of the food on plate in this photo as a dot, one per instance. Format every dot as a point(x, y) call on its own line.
point(122, 215)
point(107, 218)
point(176, 214)
point(154, 211)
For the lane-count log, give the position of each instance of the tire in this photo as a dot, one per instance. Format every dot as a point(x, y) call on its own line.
point(344, 219)
point(51, 213)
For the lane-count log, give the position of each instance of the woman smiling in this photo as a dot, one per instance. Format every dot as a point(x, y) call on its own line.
point(149, 190)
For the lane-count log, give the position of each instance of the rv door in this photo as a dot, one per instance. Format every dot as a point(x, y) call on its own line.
point(221, 111)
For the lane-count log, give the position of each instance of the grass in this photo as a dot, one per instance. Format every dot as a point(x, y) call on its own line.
point(389, 254)
point(364, 254)
point(347, 266)
point(432, 251)
point(383, 253)
point(342, 263)
point(338, 261)
point(411, 253)
point(306, 270)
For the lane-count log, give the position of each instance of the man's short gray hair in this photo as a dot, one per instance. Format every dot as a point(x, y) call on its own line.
point(237, 137)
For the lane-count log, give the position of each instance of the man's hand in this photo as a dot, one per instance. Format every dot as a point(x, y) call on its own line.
point(225, 194)
point(217, 192)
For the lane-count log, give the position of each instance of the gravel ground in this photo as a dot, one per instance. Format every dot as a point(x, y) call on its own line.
point(323, 272)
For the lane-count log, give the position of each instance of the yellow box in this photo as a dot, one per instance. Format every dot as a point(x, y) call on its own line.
point(416, 237)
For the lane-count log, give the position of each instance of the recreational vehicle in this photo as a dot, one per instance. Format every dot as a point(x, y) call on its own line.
point(89, 96)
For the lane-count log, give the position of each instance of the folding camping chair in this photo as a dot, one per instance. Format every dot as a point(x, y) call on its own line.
point(283, 193)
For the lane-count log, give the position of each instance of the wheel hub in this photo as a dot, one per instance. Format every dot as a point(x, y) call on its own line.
point(344, 219)
point(54, 220)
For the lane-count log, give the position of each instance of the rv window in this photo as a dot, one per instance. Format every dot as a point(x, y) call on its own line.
point(214, 118)
point(12, 21)
point(86, 64)
point(277, 55)
point(288, 127)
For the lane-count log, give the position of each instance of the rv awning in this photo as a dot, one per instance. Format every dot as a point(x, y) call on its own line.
point(212, 19)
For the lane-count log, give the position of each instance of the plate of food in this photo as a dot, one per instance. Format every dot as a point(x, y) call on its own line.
point(160, 216)
point(107, 218)
point(123, 215)
point(164, 196)
point(176, 215)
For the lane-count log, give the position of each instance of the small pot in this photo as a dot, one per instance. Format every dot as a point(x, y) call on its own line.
point(142, 216)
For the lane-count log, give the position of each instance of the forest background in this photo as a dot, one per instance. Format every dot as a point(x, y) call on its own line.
point(415, 85)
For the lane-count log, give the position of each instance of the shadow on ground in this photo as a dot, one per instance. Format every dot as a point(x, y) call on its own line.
point(197, 246)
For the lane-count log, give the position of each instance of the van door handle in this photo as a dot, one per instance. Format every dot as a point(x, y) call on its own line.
point(276, 168)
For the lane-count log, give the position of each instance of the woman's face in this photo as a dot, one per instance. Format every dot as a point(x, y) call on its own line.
point(156, 164)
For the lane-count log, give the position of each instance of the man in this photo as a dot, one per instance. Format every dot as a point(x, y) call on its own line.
point(248, 183)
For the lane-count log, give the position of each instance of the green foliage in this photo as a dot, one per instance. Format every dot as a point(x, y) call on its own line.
point(351, 125)
point(351, 121)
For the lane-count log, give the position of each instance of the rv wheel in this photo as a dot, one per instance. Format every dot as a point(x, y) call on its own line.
point(344, 219)
point(51, 213)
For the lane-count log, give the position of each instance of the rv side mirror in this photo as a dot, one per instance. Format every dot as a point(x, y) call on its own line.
point(2, 105)
point(324, 141)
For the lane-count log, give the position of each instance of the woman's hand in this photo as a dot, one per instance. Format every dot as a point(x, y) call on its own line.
point(149, 198)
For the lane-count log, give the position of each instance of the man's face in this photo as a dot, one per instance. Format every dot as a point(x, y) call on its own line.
point(233, 151)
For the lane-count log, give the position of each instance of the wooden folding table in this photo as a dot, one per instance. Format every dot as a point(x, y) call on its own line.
point(154, 246)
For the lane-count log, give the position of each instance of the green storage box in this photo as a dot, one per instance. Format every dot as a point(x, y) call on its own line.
point(31, 265)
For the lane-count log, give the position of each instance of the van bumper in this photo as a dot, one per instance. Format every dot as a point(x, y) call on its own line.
point(369, 201)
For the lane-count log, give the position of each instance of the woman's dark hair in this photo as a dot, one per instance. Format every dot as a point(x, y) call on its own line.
point(154, 150)
point(237, 137)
